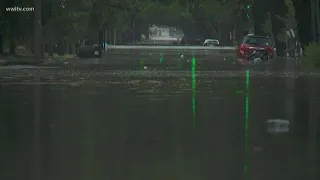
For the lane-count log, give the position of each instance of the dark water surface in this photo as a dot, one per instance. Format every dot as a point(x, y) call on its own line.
point(133, 125)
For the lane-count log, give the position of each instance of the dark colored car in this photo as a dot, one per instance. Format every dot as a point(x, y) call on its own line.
point(255, 46)
point(93, 51)
point(191, 40)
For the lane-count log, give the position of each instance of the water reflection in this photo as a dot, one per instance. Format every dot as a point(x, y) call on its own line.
point(143, 128)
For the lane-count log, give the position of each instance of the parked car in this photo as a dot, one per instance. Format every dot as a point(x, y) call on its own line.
point(90, 51)
point(191, 40)
point(211, 42)
point(255, 49)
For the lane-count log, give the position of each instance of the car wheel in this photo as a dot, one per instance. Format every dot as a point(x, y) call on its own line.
point(96, 53)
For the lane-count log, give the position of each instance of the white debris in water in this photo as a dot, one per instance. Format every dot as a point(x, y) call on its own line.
point(257, 61)
point(277, 126)
point(145, 67)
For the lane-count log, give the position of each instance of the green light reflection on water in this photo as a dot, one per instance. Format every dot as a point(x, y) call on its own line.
point(161, 58)
point(194, 84)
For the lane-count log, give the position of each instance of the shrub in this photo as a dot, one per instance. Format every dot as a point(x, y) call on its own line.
point(311, 60)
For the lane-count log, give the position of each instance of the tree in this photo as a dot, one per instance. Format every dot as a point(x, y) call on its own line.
point(11, 23)
point(303, 20)
point(66, 23)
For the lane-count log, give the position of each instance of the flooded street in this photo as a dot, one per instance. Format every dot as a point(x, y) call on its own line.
point(158, 125)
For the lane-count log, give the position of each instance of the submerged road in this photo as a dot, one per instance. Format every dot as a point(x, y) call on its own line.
point(94, 122)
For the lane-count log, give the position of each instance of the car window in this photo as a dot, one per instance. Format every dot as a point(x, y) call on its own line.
point(212, 41)
point(257, 41)
point(209, 44)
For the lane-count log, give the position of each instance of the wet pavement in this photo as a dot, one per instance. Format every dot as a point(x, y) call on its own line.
point(156, 124)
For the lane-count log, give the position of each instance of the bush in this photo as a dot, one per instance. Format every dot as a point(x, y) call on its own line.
point(311, 60)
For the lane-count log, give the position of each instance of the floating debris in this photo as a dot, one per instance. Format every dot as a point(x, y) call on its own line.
point(277, 126)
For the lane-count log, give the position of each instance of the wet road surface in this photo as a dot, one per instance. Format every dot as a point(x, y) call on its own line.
point(142, 125)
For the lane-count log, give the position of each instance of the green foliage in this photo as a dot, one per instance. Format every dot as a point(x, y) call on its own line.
point(311, 60)
point(73, 20)
point(15, 25)
point(67, 19)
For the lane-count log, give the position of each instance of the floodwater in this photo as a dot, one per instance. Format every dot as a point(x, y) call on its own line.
point(150, 125)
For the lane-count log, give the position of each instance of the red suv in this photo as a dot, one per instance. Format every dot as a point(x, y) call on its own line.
point(253, 47)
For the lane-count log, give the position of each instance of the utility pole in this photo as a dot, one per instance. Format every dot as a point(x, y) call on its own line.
point(37, 42)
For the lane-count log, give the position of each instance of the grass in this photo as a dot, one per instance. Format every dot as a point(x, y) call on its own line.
point(56, 58)
point(311, 61)
point(22, 58)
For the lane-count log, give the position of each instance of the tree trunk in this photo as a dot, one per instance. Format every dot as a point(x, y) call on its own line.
point(237, 31)
point(1, 43)
point(259, 11)
point(12, 47)
point(66, 47)
point(57, 48)
point(32, 49)
point(77, 46)
point(93, 24)
point(100, 37)
point(46, 47)
point(303, 20)
point(62, 48)
point(279, 8)
point(42, 49)
point(30, 46)
point(37, 31)
point(54, 48)
point(50, 47)
point(277, 27)
point(224, 34)
point(71, 49)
